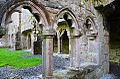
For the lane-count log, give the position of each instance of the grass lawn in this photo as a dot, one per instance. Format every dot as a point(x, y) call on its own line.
point(14, 58)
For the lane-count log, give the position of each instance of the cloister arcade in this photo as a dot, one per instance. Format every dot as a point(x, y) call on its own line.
point(32, 27)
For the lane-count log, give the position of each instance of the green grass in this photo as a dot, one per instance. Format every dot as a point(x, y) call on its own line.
point(14, 58)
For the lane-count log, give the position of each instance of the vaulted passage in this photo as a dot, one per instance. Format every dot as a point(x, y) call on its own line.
point(112, 13)
point(114, 23)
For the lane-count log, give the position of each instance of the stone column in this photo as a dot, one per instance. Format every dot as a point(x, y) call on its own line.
point(47, 52)
point(74, 50)
point(93, 47)
point(32, 42)
point(59, 43)
point(70, 51)
point(10, 40)
point(19, 34)
point(27, 41)
point(75, 53)
point(14, 41)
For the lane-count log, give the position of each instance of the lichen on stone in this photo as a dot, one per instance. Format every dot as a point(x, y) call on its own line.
point(63, 25)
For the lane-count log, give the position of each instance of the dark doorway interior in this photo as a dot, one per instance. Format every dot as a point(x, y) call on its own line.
point(112, 14)
point(38, 46)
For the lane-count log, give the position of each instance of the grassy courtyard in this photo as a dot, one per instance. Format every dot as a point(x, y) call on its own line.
point(15, 58)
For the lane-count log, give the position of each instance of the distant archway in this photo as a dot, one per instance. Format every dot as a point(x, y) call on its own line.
point(67, 26)
point(37, 10)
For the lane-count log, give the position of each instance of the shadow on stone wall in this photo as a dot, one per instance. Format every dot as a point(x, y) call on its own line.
point(115, 68)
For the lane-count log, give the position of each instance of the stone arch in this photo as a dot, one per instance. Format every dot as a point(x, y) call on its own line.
point(92, 40)
point(33, 6)
point(70, 28)
point(37, 17)
point(27, 7)
point(12, 5)
point(9, 19)
point(74, 36)
point(90, 27)
point(69, 12)
point(90, 21)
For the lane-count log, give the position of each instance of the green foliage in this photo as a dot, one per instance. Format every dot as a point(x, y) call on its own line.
point(94, 2)
point(14, 58)
point(97, 2)
point(114, 55)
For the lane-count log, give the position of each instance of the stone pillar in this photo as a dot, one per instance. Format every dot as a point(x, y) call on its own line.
point(74, 50)
point(47, 52)
point(59, 43)
point(70, 51)
point(93, 46)
point(32, 42)
point(14, 37)
point(27, 42)
point(107, 50)
point(10, 41)
point(18, 35)
point(75, 53)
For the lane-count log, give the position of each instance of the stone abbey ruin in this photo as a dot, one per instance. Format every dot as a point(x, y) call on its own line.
point(81, 30)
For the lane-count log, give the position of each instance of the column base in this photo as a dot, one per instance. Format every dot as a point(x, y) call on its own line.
point(74, 68)
point(48, 77)
point(58, 52)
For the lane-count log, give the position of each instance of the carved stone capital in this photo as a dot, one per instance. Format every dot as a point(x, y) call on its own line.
point(92, 36)
point(48, 33)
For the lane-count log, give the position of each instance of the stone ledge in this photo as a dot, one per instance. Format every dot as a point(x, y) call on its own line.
point(83, 73)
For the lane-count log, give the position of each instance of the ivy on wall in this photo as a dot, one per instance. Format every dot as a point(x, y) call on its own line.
point(95, 2)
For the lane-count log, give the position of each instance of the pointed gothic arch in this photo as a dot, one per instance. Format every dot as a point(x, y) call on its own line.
point(66, 20)
point(90, 28)
point(90, 20)
point(16, 5)
point(70, 13)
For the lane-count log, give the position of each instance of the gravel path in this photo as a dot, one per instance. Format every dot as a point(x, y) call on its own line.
point(8, 72)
